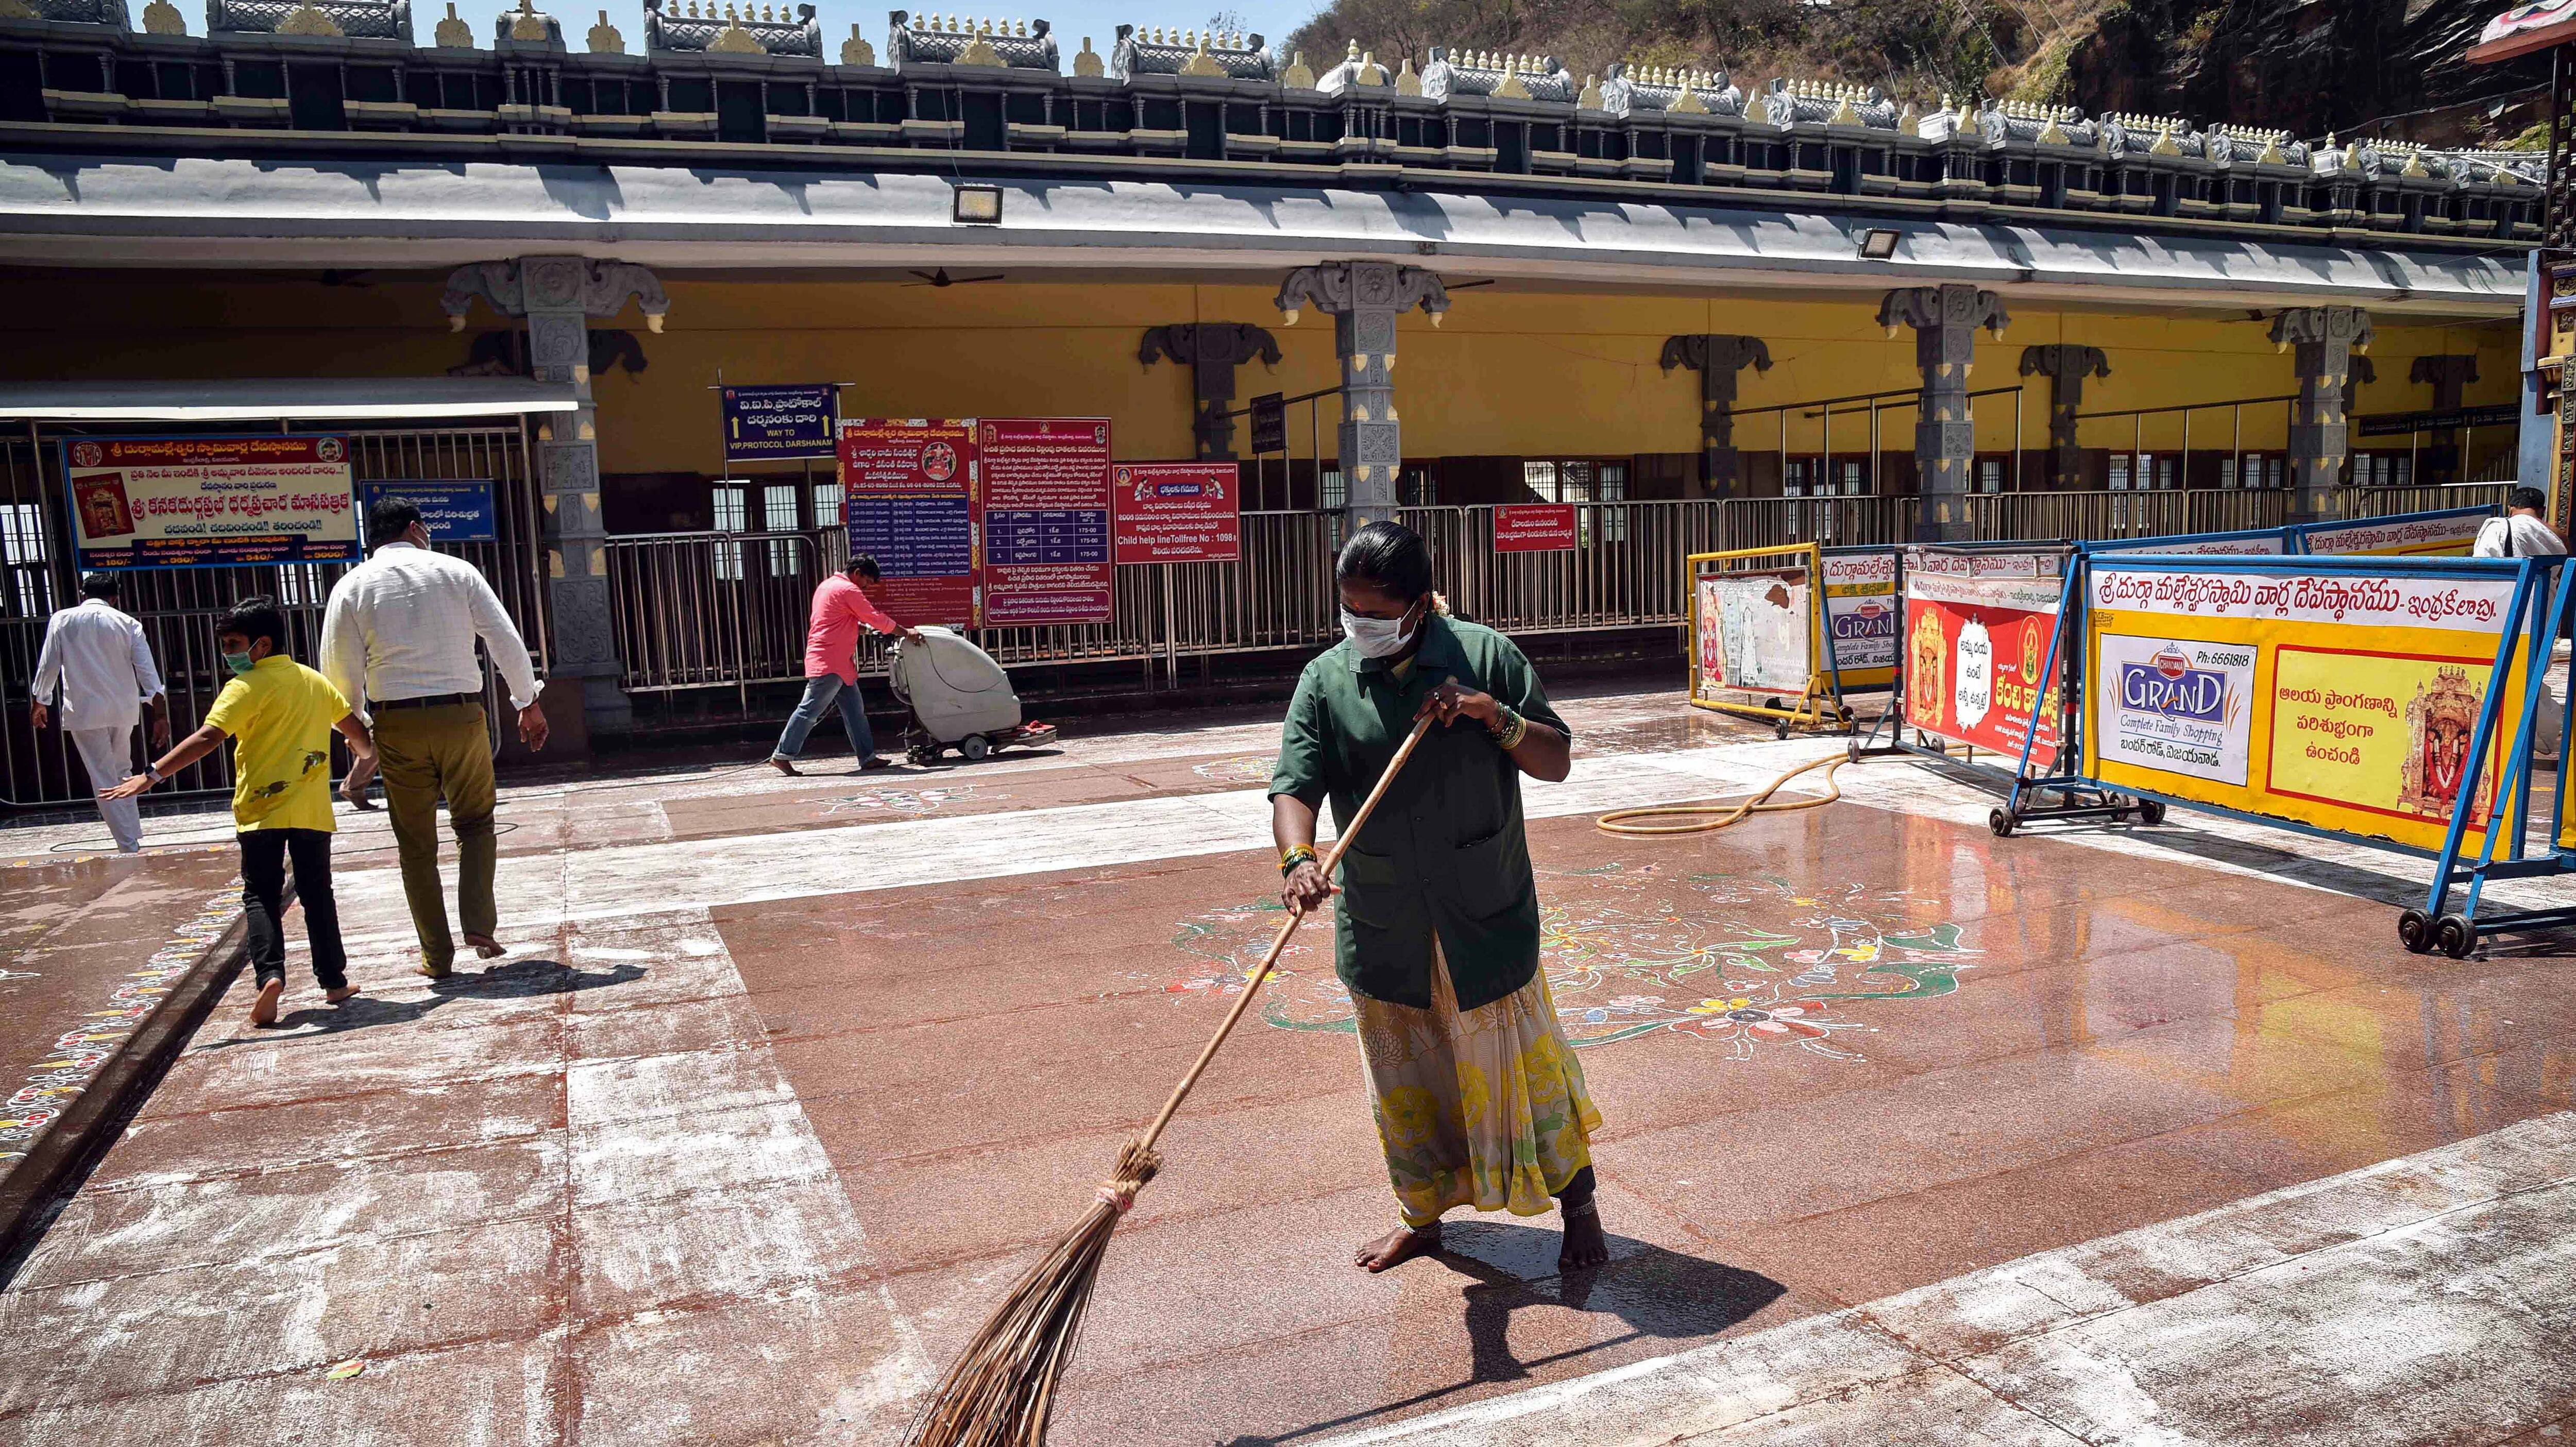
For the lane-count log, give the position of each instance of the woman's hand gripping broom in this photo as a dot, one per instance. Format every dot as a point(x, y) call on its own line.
point(1002, 1390)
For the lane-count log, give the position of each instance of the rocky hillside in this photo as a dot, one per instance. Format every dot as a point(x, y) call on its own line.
point(2312, 67)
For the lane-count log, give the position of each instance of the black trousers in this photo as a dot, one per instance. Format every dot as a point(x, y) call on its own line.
point(264, 857)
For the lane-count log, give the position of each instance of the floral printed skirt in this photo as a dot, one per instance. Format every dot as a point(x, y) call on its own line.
point(1484, 1108)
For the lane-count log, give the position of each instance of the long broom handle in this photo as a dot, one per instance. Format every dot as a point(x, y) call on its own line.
point(1253, 985)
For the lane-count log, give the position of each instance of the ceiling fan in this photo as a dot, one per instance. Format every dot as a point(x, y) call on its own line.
point(942, 278)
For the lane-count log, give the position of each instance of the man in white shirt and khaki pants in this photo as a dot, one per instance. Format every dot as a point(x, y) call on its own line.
point(2523, 533)
point(398, 642)
point(95, 653)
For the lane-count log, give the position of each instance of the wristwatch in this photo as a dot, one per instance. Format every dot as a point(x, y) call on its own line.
point(155, 775)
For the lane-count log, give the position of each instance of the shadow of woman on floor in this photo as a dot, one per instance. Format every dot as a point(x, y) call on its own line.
point(517, 980)
point(1655, 1293)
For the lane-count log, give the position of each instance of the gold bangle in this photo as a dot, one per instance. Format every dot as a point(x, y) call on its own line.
point(1295, 855)
point(1509, 736)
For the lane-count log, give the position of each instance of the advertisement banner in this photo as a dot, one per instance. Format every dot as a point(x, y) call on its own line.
point(2419, 535)
point(455, 510)
point(1755, 632)
point(2253, 543)
point(778, 424)
point(1861, 615)
point(210, 502)
point(1535, 527)
point(1177, 512)
point(1046, 520)
point(911, 501)
point(1979, 628)
point(2338, 700)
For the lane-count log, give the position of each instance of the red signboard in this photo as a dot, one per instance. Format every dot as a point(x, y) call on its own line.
point(912, 504)
point(1535, 527)
point(1046, 520)
point(1976, 648)
point(1178, 512)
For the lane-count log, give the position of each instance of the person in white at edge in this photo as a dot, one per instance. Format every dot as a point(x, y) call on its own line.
point(97, 655)
point(398, 642)
point(2521, 533)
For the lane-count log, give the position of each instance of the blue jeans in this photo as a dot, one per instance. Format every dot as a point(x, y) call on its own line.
point(820, 691)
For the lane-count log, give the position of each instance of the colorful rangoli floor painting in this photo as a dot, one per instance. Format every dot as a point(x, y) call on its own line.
point(891, 800)
point(1743, 962)
point(1250, 769)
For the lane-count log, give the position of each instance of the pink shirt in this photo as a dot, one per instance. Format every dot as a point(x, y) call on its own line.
point(833, 637)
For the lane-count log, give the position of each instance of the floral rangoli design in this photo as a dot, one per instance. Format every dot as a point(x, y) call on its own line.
point(900, 801)
point(1740, 961)
point(1247, 770)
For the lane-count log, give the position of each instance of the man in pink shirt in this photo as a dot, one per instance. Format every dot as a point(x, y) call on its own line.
point(831, 665)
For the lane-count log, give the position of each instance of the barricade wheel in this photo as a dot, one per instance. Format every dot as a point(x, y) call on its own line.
point(1780, 730)
point(2151, 811)
point(2001, 821)
point(974, 747)
point(1852, 749)
point(2455, 935)
point(2415, 931)
point(921, 755)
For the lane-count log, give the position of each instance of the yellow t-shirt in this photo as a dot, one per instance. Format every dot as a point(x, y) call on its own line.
point(280, 716)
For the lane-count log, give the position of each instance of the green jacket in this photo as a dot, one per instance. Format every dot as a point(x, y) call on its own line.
point(1445, 854)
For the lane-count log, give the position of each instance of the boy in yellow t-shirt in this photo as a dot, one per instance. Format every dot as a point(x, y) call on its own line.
point(280, 715)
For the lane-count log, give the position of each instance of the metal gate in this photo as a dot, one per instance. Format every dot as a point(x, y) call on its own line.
point(178, 607)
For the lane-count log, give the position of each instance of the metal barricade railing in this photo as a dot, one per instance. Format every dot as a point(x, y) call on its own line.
point(710, 610)
point(2380, 502)
point(1769, 522)
point(2234, 510)
point(2082, 516)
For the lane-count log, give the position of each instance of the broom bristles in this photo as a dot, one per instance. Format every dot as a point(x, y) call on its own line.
point(1001, 1391)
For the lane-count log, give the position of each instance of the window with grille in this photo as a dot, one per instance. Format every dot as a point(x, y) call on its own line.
point(732, 505)
point(1613, 483)
point(778, 514)
point(22, 550)
point(1540, 479)
point(1330, 495)
point(1990, 474)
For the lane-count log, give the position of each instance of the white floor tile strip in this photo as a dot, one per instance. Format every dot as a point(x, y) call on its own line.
point(2394, 1305)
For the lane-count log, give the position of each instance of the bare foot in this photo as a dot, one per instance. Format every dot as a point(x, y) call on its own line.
point(263, 1011)
point(486, 946)
point(430, 971)
point(1398, 1246)
point(340, 994)
point(1584, 1244)
point(875, 761)
point(784, 767)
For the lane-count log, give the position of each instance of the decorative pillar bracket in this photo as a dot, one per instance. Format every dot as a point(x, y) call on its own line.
point(2065, 365)
point(1212, 350)
point(1717, 358)
point(2323, 340)
point(1364, 298)
point(559, 296)
point(1945, 321)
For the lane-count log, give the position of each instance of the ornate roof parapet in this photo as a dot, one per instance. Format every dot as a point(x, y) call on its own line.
point(2253, 145)
point(1503, 77)
point(2497, 168)
point(2404, 160)
point(1152, 50)
point(1673, 90)
point(528, 28)
point(358, 19)
point(109, 13)
point(2039, 125)
point(698, 25)
point(950, 40)
point(2135, 135)
point(1830, 103)
point(1358, 71)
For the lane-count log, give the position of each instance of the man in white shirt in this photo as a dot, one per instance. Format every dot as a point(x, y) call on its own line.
point(95, 654)
point(398, 642)
point(2521, 533)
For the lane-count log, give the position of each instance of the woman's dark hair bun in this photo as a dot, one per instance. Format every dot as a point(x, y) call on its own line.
point(1389, 557)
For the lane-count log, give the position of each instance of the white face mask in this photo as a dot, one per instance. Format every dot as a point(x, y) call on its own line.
point(1376, 637)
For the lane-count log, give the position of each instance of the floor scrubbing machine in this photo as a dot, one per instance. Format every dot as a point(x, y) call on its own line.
point(959, 698)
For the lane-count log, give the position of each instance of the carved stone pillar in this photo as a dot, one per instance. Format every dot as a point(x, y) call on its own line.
point(558, 296)
point(2323, 341)
point(1364, 299)
point(1717, 358)
point(1945, 321)
point(2447, 374)
point(1212, 350)
point(2065, 365)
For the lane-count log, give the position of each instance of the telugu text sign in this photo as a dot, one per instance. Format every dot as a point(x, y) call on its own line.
point(2424, 535)
point(2338, 701)
point(1046, 520)
point(455, 510)
point(1979, 633)
point(778, 424)
point(909, 491)
point(210, 502)
point(1178, 512)
point(1534, 527)
point(1861, 613)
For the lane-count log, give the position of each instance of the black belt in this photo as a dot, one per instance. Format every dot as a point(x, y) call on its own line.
point(435, 700)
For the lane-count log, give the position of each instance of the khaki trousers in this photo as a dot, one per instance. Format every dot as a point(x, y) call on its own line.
point(425, 755)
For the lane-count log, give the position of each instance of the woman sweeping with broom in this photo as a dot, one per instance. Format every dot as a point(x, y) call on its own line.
point(1479, 1101)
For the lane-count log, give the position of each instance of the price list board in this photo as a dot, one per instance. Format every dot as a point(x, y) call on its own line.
point(912, 502)
point(1046, 520)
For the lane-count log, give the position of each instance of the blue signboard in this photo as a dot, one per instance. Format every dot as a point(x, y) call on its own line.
point(778, 424)
point(914, 537)
point(456, 510)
